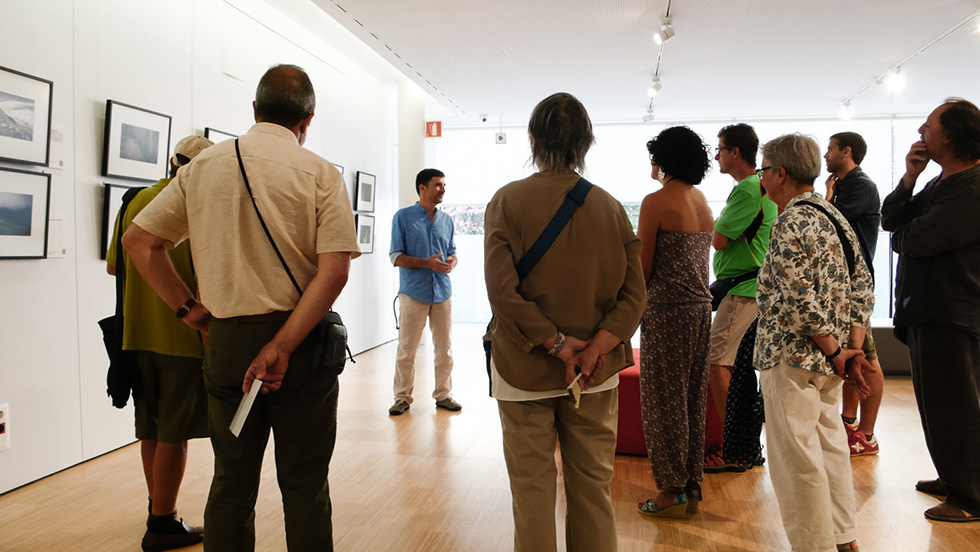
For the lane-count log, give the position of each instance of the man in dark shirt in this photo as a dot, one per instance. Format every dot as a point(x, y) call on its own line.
point(937, 296)
point(856, 197)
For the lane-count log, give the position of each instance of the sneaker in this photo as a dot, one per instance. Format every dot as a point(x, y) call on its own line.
point(861, 446)
point(399, 408)
point(849, 428)
point(847, 546)
point(176, 534)
point(449, 404)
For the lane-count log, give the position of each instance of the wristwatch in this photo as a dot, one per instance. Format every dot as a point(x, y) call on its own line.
point(186, 307)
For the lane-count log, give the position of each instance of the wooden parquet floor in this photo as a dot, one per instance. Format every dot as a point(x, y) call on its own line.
point(434, 481)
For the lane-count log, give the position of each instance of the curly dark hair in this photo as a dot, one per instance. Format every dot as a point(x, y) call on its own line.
point(681, 153)
point(961, 124)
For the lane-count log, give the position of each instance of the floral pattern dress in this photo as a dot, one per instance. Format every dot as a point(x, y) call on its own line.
point(674, 358)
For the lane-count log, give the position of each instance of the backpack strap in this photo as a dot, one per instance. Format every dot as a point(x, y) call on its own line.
point(127, 198)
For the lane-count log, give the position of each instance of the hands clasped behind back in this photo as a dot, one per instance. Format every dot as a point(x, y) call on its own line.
point(582, 357)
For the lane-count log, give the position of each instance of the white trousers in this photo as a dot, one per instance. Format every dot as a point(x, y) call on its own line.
point(411, 322)
point(809, 461)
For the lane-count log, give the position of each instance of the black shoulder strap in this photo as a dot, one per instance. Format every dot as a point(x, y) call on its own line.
point(753, 228)
point(574, 199)
point(120, 262)
point(846, 243)
point(268, 234)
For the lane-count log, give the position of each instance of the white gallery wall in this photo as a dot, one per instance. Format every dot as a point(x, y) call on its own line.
point(197, 61)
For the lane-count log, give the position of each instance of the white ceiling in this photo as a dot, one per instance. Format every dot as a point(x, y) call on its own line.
point(745, 59)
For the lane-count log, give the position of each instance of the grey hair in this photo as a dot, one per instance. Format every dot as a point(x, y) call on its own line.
point(284, 96)
point(561, 133)
point(797, 154)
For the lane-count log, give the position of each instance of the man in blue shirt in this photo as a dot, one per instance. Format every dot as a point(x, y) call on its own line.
point(422, 247)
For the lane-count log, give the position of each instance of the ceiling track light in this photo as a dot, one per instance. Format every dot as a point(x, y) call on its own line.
point(648, 118)
point(666, 32)
point(844, 111)
point(894, 79)
point(899, 79)
point(655, 88)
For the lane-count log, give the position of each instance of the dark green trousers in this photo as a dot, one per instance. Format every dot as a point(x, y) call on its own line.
point(302, 416)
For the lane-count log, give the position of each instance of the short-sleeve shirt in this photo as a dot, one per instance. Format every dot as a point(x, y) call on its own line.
point(741, 256)
point(413, 234)
point(148, 323)
point(301, 196)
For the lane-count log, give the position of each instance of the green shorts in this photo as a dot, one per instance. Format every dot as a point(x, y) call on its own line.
point(171, 403)
point(870, 352)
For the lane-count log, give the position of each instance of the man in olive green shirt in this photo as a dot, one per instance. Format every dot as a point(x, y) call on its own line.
point(168, 387)
point(741, 239)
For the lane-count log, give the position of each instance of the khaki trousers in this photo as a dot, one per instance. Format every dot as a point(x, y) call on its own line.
point(411, 323)
point(809, 461)
point(587, 437)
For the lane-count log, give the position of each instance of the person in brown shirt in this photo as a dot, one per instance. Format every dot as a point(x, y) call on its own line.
point(571, 317)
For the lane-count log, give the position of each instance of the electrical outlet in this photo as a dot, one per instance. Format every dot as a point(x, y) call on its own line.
point(4, 427)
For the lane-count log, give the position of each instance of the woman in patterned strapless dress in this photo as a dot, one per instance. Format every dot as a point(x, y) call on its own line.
point(675, 230)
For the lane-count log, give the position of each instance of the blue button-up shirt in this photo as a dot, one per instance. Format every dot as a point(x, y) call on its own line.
point(414, 235)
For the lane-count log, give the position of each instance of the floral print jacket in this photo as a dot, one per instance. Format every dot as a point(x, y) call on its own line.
point(804, 288)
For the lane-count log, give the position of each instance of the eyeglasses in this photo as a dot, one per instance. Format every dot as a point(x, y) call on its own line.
point(719, 148)
point(762, 170)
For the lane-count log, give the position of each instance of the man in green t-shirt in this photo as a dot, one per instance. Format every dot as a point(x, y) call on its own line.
point(168, 386)
point(741, 239)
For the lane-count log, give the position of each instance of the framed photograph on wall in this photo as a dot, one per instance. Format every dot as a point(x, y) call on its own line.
point(24, 202)
point(216, 135)
point(25, 117)
point(111, 202)
point(137, 143)
point(364, 192)
point(339, 167)
point(365, 232)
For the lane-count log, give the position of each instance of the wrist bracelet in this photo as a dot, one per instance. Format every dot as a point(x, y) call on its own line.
point(559, 343)
point(835, 354)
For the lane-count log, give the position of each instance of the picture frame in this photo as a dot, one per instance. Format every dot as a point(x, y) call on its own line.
point(136, 144)
point(364, 224)
point(216, 135)
point(111, 202)
point(25, 103)
point(25, 199)
point(339, 167)
point(364, 192)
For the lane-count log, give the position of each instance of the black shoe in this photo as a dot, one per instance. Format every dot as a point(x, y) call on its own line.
point(932, 487)
point(178, 534)
point(694, 496)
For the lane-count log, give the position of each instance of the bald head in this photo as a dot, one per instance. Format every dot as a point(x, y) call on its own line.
point(284, 96)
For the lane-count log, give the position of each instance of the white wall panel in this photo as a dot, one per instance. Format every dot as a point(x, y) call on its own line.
point(38, 339)
point(200, 68)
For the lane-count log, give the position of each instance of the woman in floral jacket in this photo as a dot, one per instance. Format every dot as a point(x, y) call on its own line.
point(814, 299)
